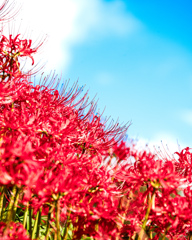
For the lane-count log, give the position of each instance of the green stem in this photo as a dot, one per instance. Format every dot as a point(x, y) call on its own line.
point(25, 216)
point(57, 215)
point(1, 201)
point(38, 223)
point(148, 210)
point(166, 230)
point(190, 236)
point(10, 213)
point(30, 222)
point(48, 225)
point(67, 224)
point(151, 199)
point(15, 204)
point(35, 233)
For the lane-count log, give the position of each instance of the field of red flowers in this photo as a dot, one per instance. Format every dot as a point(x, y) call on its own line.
point(67, 174)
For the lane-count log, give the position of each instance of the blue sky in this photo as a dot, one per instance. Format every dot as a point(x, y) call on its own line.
point(135, 55)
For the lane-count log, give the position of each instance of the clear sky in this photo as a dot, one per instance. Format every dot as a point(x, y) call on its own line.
point(135, 55)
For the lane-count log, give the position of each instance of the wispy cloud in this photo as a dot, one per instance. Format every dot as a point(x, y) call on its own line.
point(70, 22)
point(162, 141)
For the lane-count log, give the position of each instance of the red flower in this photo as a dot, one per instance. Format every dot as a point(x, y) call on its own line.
point(121, 151)
point(184, 163)
point(13, 231)
point(11, 50)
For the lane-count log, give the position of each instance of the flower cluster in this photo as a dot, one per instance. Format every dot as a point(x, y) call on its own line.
point(10, 51)
point(13, 231)
point(66, 174)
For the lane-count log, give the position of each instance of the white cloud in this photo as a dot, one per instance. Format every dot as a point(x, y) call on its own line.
point(69, 22)
point(163, 142)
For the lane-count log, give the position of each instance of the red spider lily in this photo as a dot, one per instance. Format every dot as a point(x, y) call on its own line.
point(49, 150)
point(11, 50)
point(18, 163)
point(149, 187)
point(5, 10)
point(184, 164)
point(53, 148)
point(54, 153)
point(13, 231)
point(147, 170)
point(121, 151)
